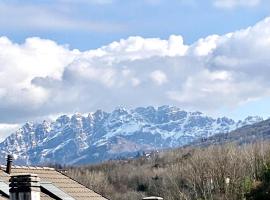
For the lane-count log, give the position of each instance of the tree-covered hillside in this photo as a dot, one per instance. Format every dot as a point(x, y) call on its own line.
point(215, 172)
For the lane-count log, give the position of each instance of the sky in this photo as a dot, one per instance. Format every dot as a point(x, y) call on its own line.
point(66, 56)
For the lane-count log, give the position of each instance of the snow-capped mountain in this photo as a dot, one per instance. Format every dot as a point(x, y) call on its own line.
point(99, 136)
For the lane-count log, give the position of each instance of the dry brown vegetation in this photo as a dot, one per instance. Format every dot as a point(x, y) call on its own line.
point(215, 172)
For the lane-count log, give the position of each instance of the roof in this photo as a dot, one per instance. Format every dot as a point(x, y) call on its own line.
point(61, 181)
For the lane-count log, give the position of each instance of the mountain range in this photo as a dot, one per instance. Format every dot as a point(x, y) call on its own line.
point(99, 136)
point(247, 134)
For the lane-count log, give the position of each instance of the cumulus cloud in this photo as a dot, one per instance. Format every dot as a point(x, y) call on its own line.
point(236, 3)
point(40, 77)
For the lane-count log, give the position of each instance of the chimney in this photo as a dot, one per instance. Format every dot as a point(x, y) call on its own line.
point(24, 187)
point(9, 164)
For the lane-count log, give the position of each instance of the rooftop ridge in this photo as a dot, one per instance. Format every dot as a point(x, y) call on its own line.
point(29, 167)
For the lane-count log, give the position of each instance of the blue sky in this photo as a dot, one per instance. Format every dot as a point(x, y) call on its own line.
point(105, 21)
point(65, 56)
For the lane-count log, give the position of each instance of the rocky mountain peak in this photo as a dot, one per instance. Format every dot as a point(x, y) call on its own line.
point(100, 135)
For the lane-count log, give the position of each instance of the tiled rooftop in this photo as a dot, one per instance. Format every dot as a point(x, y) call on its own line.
point(46, 174)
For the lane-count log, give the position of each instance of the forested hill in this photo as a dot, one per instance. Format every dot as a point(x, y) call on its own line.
point(216, 172)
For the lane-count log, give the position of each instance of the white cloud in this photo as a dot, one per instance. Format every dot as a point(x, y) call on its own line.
point(139, 48)
point(236, 3)
point(204, 46)
point(158, 77)
point(6, 129)
point(40, 77)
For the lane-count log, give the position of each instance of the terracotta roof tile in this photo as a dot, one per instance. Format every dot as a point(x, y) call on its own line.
point(46, 174)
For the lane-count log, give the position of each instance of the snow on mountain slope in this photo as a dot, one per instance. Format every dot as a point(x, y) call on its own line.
point(99, 136)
